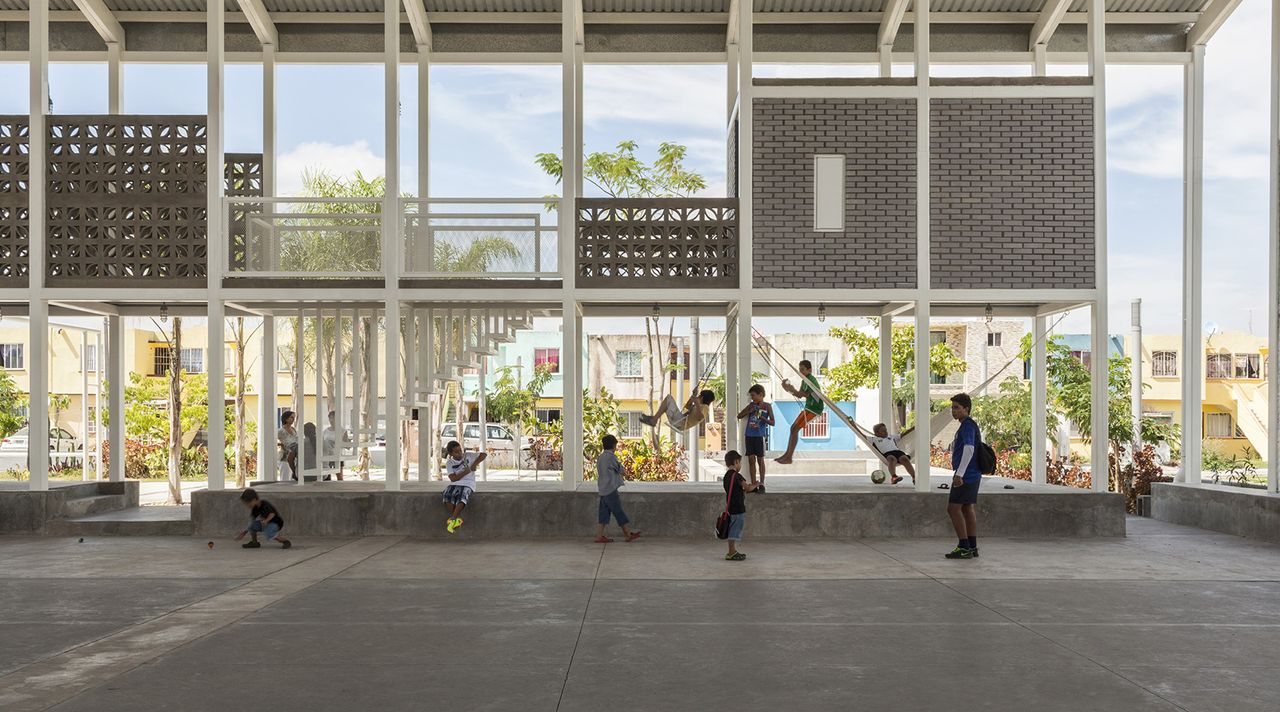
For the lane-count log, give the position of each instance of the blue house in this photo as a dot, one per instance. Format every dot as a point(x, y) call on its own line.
point(827, 434)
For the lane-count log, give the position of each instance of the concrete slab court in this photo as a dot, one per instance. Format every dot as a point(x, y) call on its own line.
point(407, 624)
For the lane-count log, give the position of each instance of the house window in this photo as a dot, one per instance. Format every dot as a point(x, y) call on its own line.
point(632, 427)
point(1084, 357)
point(283, 361)
point(819, 361)
point(935, 338)
point(1218, 366)
point(1248, 366)
point(229, 360)
point(11, 356)
point(547, 357)
point(828, 193)
point(89, 358)
point(994, 338)
point(628, 364)
point(1218, 425)
point(817, 429)
point(1164, 364)
point(547, 415)
point(162, 360)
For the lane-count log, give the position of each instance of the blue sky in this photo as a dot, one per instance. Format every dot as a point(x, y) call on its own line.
point(487, 123)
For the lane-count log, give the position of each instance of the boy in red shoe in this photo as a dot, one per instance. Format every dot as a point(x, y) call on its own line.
point(608, 480)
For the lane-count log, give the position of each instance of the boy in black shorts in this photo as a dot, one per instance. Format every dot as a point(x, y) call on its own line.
point(890, 446)
point(759, 415)
point(965, 481)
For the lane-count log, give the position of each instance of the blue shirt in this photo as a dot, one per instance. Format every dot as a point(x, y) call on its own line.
point(758, 422)
point(967, 434)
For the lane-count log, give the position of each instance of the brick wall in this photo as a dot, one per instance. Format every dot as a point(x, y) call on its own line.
point(1011, 193)
point(877, 247)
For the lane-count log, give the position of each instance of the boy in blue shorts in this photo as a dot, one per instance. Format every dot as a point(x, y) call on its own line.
point(966, 480)
point(264, 520)
point(734, 486)
point(460, 467)
point(759, 415)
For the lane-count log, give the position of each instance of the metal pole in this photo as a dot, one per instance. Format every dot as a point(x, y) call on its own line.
point(739, 387)
point(394, 441)
point(695, 358)
point(84, 406)
point(1135, 364)
point(299, 396)
point(923, 266)
point(571, 370)
point(316, 465)
point(1039, 399)
point(886, 370)
point(99, 353)
point(267, 458)
point(1273, 242)
point(115, 396)
point(1101, 338)
point(215, 341)
point(483, 399)
point(115, 79)
point(1192, 276)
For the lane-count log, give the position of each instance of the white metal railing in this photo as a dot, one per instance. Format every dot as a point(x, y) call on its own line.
point(303, 237)
point(481, 237)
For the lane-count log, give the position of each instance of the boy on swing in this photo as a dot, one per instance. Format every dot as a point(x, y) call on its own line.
point(695, 412)
point(890, 447)
point(813, 406)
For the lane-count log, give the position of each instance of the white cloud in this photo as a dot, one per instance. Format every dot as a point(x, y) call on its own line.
point(658, 95)
point(337, 159)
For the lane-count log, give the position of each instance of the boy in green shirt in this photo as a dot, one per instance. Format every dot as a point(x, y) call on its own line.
point(813, 406)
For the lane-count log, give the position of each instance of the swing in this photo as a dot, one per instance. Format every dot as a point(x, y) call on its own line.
point(704, 377)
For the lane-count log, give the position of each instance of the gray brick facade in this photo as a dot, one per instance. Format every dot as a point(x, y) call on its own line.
point(1011, 193)
point(877, 247)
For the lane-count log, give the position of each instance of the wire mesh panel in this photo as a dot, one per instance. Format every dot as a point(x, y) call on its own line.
point(127, 199)
point(243, 175)
point(14, 172)
point(304, 237)
point(513, 238)
point(657, 242)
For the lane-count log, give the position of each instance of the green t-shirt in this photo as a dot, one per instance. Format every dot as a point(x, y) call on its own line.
point(812, 403)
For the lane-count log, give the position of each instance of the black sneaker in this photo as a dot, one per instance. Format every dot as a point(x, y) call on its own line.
point(251, 545)
point(960, 552)
point(760, 489)
point(648, 420)
point(286, 544)
point(974, 552)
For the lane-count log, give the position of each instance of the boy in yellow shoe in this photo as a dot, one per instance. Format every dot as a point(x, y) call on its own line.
point(460, 467)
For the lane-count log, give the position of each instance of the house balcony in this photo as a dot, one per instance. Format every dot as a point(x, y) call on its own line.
point(656, 242)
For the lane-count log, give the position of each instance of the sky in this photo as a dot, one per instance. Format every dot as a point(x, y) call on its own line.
point(488, 123)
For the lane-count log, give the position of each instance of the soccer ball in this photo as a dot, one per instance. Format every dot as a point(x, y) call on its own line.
point(878, 477)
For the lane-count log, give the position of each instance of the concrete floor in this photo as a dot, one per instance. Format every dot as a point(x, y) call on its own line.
point(1166, 619)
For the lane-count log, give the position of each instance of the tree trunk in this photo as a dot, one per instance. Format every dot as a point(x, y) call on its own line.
point(240, 427)
point(649, 327)
point(369, 354)
point(175, 413)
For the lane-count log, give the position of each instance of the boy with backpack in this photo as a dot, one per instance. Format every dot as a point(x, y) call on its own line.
point(967, 452)
point(735, 503)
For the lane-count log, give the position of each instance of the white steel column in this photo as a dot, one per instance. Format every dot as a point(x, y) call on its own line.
point(215, 343)
point(1192, 276)
point(38, 355)
point(886, 370)
point(98, 436)
point(1273, 243)
point(115, 79)
point(1135, 366)
point(571, 159)
point(299, 395)
point(391, 136)
point(426, 413)
point(268, 120)
point(571, 370)
point(735, 342)
point(424, 130)
point(1097, 43)
point(267, 459)
point(84, 406)
point(410, 362)
point(482, 399)
point(392, 400)
point(920, 31)
point(115, 397)
point(731, 84)
point(746, 122)
point(1039, 398)
point(694, 444)
point(744, 363)
point(316, 465)
point(38, 405)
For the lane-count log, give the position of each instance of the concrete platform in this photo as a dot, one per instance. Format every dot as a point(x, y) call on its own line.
point(802, 507)
point(24, 512)
point(1247, 512)
point(1165, 619)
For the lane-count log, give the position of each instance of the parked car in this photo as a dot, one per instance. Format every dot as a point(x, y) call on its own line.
point(60, 440)
point(500, 437)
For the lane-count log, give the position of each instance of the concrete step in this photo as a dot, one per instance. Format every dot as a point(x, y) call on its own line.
point(95, 504)
point(819, 466)
point(136, 521)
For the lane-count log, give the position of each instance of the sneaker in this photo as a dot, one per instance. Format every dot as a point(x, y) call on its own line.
point(286, 544)
point(896, 479)
point(632, 537)
point(604, 540)
point(251, 545)
point(974, 552)
point(737, 556)
point(648, 420)
point(760, 489)
point(451, 525)
point(960, 553)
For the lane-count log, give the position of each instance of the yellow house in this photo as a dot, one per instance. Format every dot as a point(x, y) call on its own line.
point(1234, 410)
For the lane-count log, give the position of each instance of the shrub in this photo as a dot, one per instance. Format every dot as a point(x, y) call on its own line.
point(642, 461)
point(1137, 476)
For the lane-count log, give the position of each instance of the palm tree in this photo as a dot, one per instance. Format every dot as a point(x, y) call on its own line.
point(478, 256)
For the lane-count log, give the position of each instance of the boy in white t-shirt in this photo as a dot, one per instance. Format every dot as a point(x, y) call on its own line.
point(460, 467)
point(890, 446)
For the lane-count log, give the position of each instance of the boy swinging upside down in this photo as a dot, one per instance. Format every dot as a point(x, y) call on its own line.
point(695, 411)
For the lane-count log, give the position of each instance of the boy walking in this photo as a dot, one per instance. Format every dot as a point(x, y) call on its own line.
point(890, 446)
point(813, 406)
point(264, 519)
point(608, 480)
point(734, 487)
point(460, 467)
point(965, 480)
point(759, 415)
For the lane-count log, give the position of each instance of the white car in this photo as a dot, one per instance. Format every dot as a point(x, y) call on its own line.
point(500, 437)
point(59, 441)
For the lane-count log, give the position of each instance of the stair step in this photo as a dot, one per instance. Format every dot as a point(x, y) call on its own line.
point(136, 521)
point(96, 504)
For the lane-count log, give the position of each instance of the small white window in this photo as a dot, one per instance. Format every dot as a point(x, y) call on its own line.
point(828, 193)
point(1164, 364)
point(1218, 425)
point(993, 339)
point(629, 364)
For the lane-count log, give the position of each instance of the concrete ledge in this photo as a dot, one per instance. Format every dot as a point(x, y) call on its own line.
point(24, 512)
point(680, 511)
point(1251, 513)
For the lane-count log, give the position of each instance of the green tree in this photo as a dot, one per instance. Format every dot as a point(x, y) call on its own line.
point(58, 403)
point(513, 404)
point(621, 174)
point(862, 369)
point(1006, 417)
point(11, 401)
point(600, 416)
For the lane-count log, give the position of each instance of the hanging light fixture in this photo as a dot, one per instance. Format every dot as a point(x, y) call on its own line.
point(989, 312)
point(164, 313)
point(822, 313)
